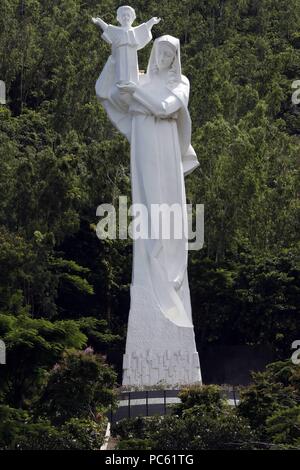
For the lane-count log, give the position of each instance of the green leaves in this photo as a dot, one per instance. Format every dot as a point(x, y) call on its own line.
point(77, 386)
point(68, 273)
point(284, 428)
point(250, 296)
point(60, 157)
point(271, 405)
point(33, 345)
point(202, 422)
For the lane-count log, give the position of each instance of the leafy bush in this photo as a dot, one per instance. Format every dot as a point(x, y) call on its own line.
point(271, 392)
point(78, 386)
point(202, 421)
point(75, 434)
point(11, 426)
point(191, 432)
point(135, 444)
point(205, 431)
point(131, 428)
point(283, 428)
point(208, 398)
point(71, 411)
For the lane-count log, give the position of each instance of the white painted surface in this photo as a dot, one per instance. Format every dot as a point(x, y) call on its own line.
point(106, 438)
point(153, 115)
point(160, 401)
point(151, 401)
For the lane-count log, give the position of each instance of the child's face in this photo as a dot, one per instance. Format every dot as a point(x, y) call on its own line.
point(125, 18)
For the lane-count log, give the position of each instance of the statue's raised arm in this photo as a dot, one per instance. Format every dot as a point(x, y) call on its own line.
point(153, 21)
point(99, 22)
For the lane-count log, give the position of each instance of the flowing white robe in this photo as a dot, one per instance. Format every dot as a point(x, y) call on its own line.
point(157, 179)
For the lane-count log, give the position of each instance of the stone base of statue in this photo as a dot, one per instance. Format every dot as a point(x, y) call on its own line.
point(158, 352)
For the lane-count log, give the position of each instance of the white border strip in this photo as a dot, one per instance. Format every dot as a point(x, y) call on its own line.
point(106, 437)
point(160, 401)
point(151, 401)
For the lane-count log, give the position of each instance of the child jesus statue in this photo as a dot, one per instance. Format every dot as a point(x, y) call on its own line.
point(126, 41)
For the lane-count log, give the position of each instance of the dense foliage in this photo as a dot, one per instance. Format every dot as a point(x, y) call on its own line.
point(267, 417)
point(67, 409)
point(203, 421)
point(60, 287)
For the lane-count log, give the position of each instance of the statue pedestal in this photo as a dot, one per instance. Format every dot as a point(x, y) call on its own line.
point(157, 350)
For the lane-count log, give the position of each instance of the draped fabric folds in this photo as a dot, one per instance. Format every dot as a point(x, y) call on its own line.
point(156, 121)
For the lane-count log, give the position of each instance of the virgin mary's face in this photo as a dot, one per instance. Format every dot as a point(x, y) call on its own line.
point(165, 56)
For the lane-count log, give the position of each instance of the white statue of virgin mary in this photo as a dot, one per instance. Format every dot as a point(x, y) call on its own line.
point(153, 115)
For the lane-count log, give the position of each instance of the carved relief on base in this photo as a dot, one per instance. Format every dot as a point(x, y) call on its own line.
point(169, 368)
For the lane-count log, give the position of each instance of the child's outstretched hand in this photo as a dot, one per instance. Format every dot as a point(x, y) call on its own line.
point(99, 22)
point(153, 21)
point(156, 20)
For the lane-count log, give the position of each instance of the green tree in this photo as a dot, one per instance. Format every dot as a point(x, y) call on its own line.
point(78, 386)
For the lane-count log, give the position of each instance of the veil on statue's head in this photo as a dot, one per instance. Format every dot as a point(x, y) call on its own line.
point(175, 69)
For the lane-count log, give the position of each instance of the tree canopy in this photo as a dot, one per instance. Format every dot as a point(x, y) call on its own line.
point(62, 288)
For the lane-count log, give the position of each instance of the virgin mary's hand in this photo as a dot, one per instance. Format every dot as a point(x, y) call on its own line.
point(127, 88)
point(161, 112)
point(121, 96)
